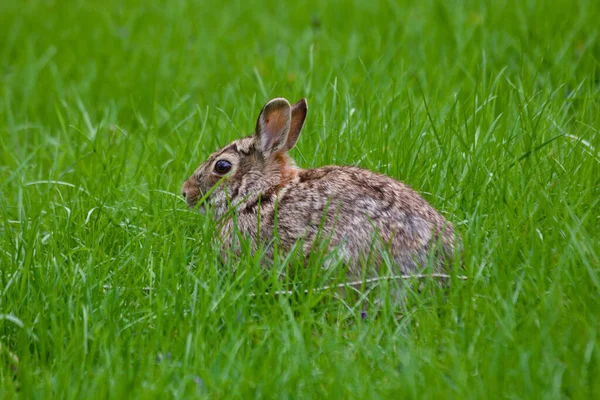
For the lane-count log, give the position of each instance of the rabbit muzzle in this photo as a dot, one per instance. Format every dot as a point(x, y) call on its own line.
point(191, 192)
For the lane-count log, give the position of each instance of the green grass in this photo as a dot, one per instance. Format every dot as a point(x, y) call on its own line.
point(490, 109)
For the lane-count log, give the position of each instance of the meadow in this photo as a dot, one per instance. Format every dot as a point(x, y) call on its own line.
point(109, 284)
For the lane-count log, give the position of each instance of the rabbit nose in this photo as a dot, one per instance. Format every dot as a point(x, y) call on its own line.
point(184, 194)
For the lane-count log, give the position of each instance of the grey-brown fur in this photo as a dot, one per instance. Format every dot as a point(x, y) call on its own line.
point(360, 208)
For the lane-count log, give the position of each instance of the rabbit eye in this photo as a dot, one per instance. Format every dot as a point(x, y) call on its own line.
point(222, 167)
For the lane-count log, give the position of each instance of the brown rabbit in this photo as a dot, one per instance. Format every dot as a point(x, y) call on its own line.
point(354, 208)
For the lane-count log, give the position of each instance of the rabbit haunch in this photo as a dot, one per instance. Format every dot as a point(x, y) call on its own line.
point(355, 209)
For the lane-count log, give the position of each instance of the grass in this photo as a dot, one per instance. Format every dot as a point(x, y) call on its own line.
point(110, 287)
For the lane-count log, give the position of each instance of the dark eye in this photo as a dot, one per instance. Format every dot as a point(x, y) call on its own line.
point(222, 167)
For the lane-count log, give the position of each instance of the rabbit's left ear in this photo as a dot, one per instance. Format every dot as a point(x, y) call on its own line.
point(299, 111)
point(273, 126)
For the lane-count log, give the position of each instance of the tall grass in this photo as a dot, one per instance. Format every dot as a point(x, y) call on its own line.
point(109, 285)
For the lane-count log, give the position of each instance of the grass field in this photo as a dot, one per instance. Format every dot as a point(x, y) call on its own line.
point(110, 287)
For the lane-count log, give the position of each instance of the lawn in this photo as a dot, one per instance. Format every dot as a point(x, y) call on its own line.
point(109, 284)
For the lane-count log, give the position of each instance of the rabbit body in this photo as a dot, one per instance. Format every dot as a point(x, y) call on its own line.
point(355, 211)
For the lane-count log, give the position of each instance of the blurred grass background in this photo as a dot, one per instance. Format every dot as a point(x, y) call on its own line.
point(488, 108)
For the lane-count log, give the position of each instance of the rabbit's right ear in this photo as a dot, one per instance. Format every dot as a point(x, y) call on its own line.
point(299, 111)
point(273, 126)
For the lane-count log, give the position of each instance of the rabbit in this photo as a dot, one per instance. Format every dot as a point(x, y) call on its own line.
point(353, 208)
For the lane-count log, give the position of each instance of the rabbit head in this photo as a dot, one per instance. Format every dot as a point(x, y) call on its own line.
point(246, 167)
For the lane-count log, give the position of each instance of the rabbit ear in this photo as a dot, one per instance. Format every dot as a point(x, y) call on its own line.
point(273, 126)
point(299, 111)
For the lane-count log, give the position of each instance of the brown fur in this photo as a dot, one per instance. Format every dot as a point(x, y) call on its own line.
point(360, 208)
